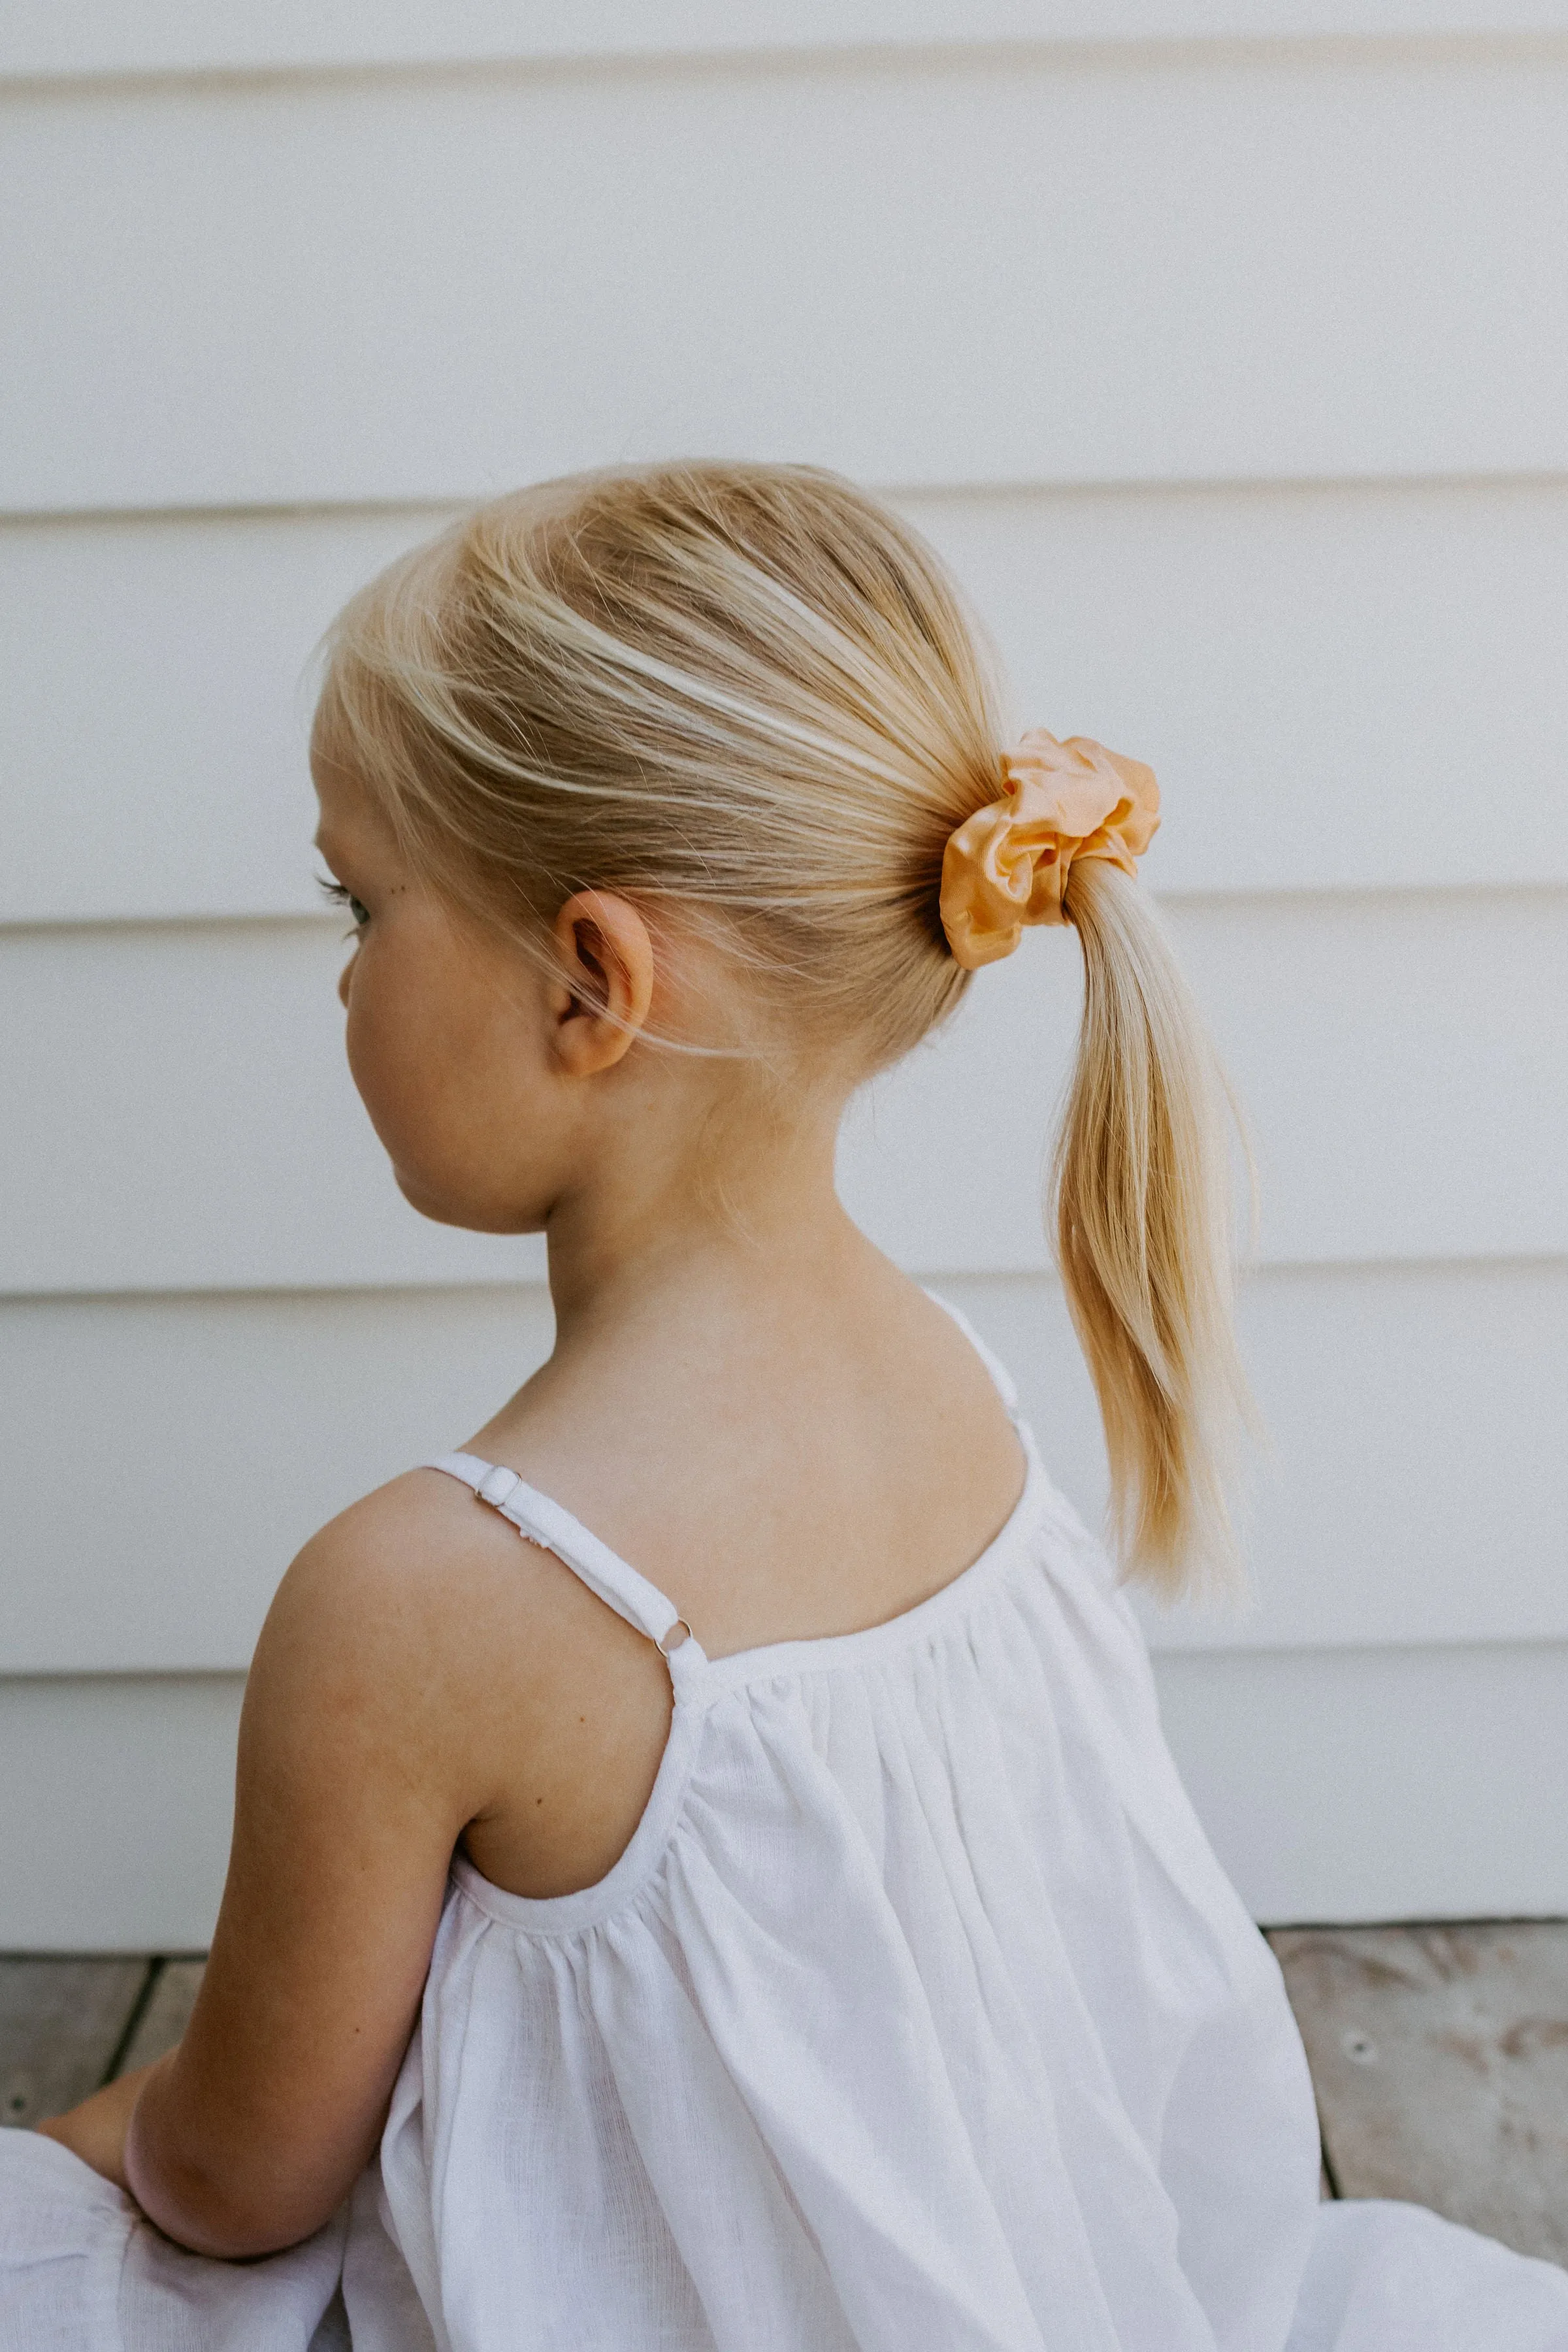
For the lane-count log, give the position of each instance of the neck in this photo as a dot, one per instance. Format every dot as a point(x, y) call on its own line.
point(674, 1224)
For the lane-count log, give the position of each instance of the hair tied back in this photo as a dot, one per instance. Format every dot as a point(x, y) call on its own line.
point(1007, 865)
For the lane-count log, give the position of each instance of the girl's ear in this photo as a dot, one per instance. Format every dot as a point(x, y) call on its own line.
point(606, 970)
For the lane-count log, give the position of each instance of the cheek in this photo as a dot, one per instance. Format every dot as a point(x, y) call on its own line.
point(444, 1077)
point(388, 1053)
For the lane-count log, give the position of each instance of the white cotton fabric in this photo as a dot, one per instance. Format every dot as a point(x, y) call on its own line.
point(916, 2017)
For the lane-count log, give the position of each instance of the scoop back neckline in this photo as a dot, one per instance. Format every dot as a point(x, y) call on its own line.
point(767, 1661)
point(696, 1686)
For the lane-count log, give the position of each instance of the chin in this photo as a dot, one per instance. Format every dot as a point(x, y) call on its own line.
point(472, 1216)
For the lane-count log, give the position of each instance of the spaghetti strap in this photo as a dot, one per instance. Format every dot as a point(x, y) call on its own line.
point(615, 1581)
point(1005, 1386)
point(545, 1522)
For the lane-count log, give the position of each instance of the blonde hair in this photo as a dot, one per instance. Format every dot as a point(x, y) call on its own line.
point(751, 691)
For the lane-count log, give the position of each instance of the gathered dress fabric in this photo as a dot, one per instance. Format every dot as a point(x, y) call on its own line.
point(918, 2016)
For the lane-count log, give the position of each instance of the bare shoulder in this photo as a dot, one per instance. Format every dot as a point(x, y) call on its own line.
point(419, 1602)
point(435, 1637)
point(405, 1562)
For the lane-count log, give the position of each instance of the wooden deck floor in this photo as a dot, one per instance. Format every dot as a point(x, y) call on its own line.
point(1440, 2059)
point(1439, 2053)
point(68, 2025)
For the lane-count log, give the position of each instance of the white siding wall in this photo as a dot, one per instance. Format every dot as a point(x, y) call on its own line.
point(1222, 345)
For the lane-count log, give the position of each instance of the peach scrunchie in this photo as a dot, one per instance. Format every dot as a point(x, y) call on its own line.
point(1007, 865)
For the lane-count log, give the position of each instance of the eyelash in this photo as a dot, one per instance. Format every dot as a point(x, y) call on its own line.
point(341, 895)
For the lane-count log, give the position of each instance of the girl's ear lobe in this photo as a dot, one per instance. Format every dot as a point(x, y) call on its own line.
point(607, 966)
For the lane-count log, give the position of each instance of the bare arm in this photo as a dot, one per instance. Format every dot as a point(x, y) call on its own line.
point(357, 1776)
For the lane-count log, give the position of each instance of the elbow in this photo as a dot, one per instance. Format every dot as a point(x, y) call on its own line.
point(227, 2235)
point(206, 2219)
point(212, 2210)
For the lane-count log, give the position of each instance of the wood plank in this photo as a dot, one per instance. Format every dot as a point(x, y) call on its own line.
point(62, 2022)
point(1440, 2057)
point(293, 1406)
point(1369, 1784)
point(210, 1137)
point(1400, 1106)
point(115, 1831)
point(152, 730)
point(260, 293)
point(165, 2013)
point(1334, 1784)
point(162, 36)
point(1373, 1383)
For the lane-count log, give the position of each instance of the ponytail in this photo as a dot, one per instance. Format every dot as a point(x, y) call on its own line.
point(1142, 1223)
point(751, 689)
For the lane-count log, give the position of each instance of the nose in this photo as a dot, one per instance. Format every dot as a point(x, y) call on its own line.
point(345, 979)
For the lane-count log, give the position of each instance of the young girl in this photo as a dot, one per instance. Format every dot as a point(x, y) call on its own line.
point(706, 1870)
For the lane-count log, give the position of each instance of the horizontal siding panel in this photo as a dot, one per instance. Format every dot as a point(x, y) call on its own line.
point(1414, 1489)
point(1335, 1785)
point(226, 1431)
point(39, 37)
point(1340, 687)
point(177, 1101)
point(979, 268)
point(1414, 1485)
point(155, 717)
point(177, 1113)
point(1403, 1062)
point(119, 1805)
point(1383, 1784)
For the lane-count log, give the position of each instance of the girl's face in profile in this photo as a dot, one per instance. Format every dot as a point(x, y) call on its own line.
point(448, 1029)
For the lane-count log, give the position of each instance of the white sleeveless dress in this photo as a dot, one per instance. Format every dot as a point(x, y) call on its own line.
point(916, 2017)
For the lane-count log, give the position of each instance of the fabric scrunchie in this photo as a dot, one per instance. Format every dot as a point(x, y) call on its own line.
point(1008, 863)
